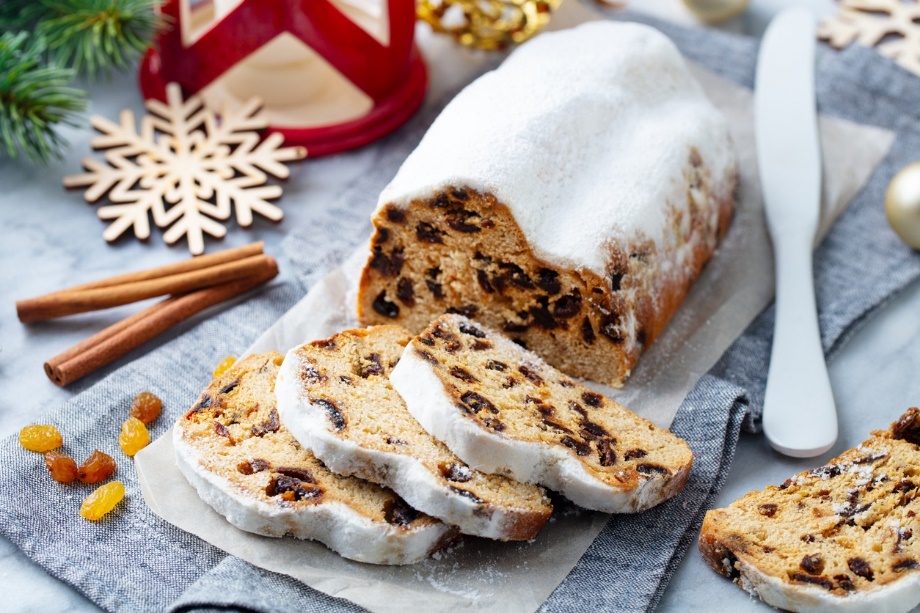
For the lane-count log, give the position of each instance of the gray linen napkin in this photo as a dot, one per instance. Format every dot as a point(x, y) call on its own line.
point(139, 562)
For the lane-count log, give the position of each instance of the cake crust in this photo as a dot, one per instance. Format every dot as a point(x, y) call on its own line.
point(245, 464)
point(839, 537)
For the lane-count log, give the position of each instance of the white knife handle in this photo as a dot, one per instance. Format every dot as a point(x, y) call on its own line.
point(799, 417)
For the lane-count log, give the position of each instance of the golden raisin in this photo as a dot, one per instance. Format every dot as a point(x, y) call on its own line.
point(224, 366)
point(40, 438)
point(146, 407)
point(63, 468)
point(134, 436)
point(97, 467)
point(102, 500)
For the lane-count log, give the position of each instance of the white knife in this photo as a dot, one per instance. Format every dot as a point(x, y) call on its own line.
point(799, 417)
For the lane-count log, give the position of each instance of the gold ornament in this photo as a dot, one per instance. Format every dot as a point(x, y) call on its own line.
point(487, 24)
point(716, 11)
point(891, 26)
point(185, 168)
point(902, 204)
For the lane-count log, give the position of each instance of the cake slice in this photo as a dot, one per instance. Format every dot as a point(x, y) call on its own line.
point(844, 536)
point(503, 410)
point(569, 198)
point(247, 466)
point(335, 397)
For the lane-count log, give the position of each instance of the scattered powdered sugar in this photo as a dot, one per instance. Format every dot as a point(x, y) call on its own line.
point(863, 474)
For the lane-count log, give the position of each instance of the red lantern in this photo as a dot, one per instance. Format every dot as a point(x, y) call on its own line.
point(334, 74)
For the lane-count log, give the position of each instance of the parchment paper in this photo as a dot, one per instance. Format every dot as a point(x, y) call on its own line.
point(487, 576)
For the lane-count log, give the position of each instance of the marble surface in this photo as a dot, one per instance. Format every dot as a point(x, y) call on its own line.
point(50, 239)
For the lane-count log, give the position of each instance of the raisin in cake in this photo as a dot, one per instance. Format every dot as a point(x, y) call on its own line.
point(569, 198)
point(503, 410)
point(844, 536)
point(244, 463)
point(335, 397)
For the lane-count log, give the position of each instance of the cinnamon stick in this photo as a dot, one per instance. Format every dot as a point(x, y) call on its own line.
point(121, 338)
point(71, 302)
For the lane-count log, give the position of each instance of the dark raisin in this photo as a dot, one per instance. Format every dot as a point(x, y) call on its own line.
point(462, 374)
point(221, 430)
point(610, 328)
point(767, 510)
point(204, 403)
point(519, 342)
point(516, 276)
point(384, 306)
point(427, 339)
point(310, 375)
point(427, 233)
point(345, 379)
point(568, 306)
point(327, 343)
point(371, 366)
point(440, 202)
point(292, 488)
point(808, 538)
point(541, 315)
point(471, 330)
point(528, 399)
point(427, 356)
point(861, 568)
point(587, 331)
point(577, 408)
point(906, 564)
point(812, 564)
point(466, 494)
point(903, 486)
point(844, 583)
point(634, 454)
point(484, 282)
point(460, 194)
point(458, 473)
point(496, 365)
point(908, 427)
point(494, 423)
point(269, 425)
point(566, 383)
point(479, 345)
point(435, 288)
point(250, 467)
point(615, 279)
point(552, 423)
point(395, 215)
point(471, 402)
point(467, 310)
point(606, 454)
point(513, 327)
point(229, 387)
point(388, 265)
point(870, 459)
point(298, 473)
point(548, 281)
point(381, 237)
point(332, 412)
point(405, 291)
point(455, 223)
point(530, 374)
point(581, 448)
point(825, 472)
point(803, 578)
point(592, 429)
point(652, 469)
point(592, 400)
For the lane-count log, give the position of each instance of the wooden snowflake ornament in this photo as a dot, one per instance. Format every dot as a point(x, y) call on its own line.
point(186, 168)
point(892, 26)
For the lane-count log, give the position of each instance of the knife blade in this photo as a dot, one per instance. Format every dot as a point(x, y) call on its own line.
point(799, 417)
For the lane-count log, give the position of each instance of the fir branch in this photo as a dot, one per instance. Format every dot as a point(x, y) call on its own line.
point(34, 99)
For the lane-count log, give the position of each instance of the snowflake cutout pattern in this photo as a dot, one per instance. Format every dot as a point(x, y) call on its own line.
point(892, 26)
point(185, 168)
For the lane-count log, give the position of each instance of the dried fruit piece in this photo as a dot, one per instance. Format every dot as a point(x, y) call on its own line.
point(146, 407)
point(102, 500)
point(97, 467)
point(62, 467)
point(224, 366)
point(40, 438)
point(134, 436)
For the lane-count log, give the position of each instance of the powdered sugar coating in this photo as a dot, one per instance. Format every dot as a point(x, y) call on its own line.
point(585, 134)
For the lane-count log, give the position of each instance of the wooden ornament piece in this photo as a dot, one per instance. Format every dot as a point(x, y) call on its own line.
point(186, 168)
point(892, 26)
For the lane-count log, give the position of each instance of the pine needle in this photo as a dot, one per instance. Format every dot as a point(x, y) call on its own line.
point(34, 99)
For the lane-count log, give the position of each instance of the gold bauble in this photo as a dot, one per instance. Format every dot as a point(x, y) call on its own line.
point(902, 204)
point(716, 11)
point(487, 24)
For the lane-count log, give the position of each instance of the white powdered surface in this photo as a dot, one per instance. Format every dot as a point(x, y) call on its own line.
point(504, 577)
point(597, 150)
